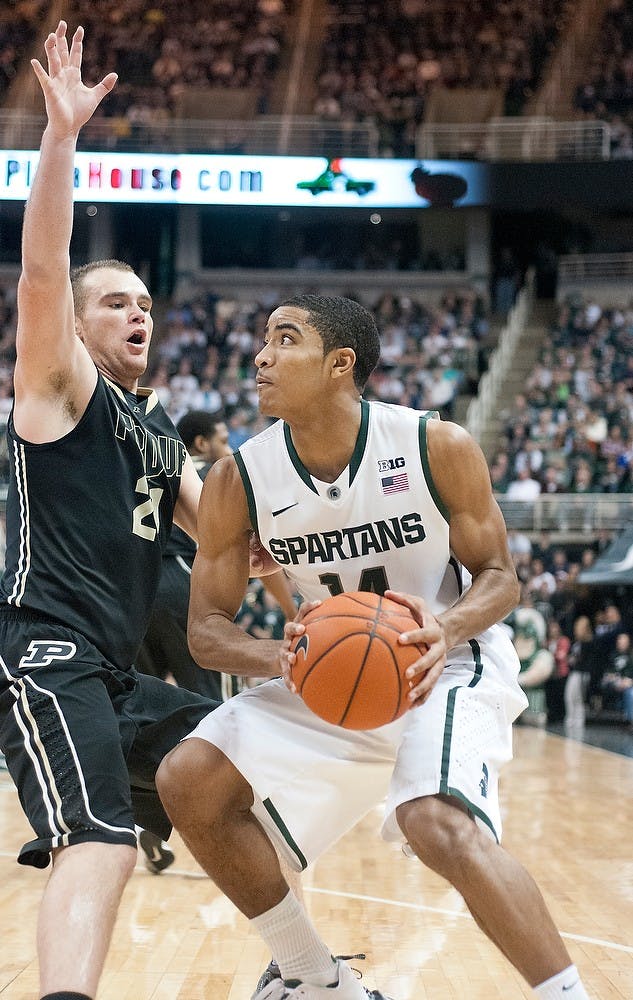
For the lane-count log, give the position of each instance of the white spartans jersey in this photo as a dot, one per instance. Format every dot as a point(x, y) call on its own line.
point(381, 525)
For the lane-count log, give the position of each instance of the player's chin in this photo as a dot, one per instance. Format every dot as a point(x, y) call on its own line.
point(267, 408)
point(138, 364)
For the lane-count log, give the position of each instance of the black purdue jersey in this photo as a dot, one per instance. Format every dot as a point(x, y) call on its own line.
point(88, 517)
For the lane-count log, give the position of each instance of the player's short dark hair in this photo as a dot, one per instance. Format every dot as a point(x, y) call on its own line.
point(343, 322)
point(78, 274)
point(196, 422)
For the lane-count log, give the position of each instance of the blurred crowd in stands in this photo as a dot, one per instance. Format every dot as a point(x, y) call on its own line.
point(19, 22)
point(158, 52)
point(574, 640)
point(381, 59)
point(571, 430)
point(606, 92)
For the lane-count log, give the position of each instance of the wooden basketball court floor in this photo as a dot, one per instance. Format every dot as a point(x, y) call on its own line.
point(568, 814)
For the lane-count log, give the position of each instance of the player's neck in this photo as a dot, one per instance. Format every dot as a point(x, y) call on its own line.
point(326, 443)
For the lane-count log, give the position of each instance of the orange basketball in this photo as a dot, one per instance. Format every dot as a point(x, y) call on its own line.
point(349, 666)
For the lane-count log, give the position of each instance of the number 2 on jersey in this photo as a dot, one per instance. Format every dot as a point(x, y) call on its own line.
point(147, 510)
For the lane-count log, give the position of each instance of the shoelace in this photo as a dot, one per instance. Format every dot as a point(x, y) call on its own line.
point(371, 994)
point(352, 958)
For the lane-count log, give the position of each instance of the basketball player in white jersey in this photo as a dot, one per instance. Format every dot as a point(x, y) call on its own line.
point(349, 495)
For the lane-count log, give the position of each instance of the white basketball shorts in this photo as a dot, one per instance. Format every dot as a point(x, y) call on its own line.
point(312, 781)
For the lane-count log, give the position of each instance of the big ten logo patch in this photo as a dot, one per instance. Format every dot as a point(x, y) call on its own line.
point(389, 464)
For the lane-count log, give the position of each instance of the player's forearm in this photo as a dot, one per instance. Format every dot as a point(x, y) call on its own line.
point(493, 595)
point(48, 217)
point(216, 643)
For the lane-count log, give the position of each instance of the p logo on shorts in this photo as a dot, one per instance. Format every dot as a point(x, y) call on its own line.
point(43, 652)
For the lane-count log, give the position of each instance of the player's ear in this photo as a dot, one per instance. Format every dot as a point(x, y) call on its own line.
point(79, 329)
point(343, 361)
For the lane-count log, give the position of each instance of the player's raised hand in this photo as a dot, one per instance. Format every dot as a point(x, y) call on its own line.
point(69, 103)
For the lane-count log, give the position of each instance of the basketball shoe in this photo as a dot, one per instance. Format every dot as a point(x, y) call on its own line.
point(158, 855)
point(272, 972)
point(347, 988)
point(274, 989)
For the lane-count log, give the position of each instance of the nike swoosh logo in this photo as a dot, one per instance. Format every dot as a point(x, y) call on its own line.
point(302, 645)
point(571, 986)
point(282, 510)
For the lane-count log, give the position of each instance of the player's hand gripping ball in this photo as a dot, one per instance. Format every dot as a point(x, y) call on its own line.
point(349, 666)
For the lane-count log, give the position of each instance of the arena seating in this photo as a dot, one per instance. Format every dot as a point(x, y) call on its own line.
point(606, 90)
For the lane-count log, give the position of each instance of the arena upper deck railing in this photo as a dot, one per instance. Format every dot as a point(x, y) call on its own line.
point(581, 515)
point(520, 139)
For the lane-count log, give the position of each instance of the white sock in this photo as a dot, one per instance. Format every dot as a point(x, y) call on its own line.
point(565, 985)
point(295, 944)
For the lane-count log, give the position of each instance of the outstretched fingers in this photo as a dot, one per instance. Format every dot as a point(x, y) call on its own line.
point(75, 58)
point(69, 102)
point(56, 48)
point(76, 48)
point(106, 85)
point(62, 42)
point(52, 55)
point(40, 72)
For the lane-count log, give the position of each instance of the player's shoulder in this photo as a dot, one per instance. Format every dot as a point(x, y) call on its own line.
point(223, 482)
point(453, 452)
point(396, 418)
point(448, 434)
point(397, 411)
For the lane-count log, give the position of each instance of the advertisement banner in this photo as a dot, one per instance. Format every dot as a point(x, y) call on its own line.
point(289, 181)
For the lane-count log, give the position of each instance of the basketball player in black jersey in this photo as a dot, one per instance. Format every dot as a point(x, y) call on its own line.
point(98, 473)
point(164, 649)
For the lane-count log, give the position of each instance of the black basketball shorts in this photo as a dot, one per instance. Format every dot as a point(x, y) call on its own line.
point(83, 739)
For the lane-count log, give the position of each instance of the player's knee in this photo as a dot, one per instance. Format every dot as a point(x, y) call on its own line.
point(126, 862)
point(182, 775)
point(114, 863)
point(440, 832)
point(193, 783)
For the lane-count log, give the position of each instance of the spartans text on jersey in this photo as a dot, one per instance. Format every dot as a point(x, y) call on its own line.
point(349, 543)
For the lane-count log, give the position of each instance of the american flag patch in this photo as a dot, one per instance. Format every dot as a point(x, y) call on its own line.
point(395, 484)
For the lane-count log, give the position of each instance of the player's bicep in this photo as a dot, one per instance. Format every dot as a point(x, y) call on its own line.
point(54, 376)
point(478, 538)
point(477, 529)
point(221, 568)
point(46, 342)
